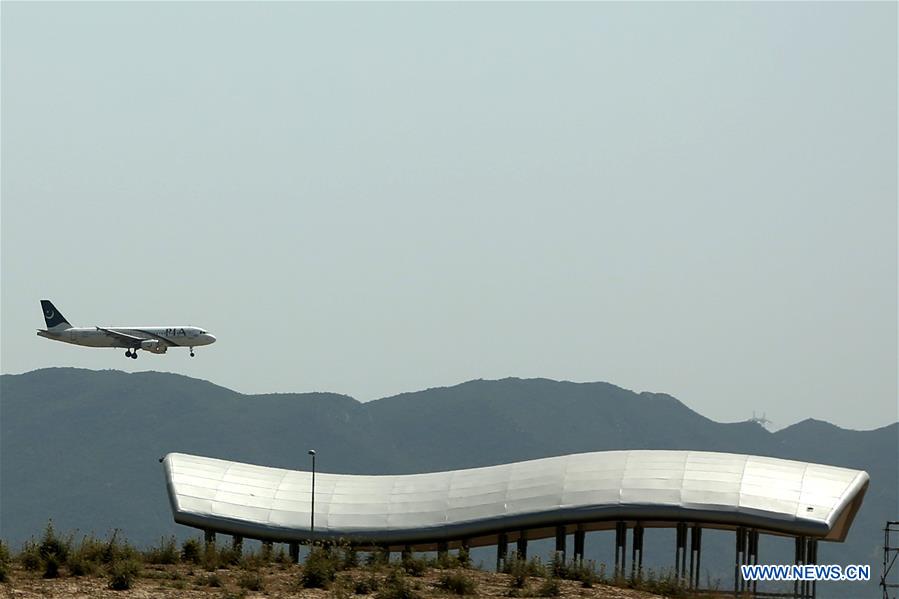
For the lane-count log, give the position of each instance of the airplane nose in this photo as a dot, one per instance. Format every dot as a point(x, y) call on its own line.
point(211, 338)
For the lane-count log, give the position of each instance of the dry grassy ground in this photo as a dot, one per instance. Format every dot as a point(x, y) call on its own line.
point(184, 580)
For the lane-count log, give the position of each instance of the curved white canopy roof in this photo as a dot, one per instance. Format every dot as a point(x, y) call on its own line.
point(658, 488)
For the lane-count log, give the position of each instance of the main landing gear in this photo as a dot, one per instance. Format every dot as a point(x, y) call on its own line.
point(131, 354)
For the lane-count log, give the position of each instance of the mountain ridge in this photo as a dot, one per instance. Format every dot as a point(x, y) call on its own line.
point(649, 394)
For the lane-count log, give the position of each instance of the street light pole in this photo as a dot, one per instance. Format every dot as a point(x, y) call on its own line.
point(312, 513)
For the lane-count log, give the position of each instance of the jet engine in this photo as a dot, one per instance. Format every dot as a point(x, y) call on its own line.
point(154, 345)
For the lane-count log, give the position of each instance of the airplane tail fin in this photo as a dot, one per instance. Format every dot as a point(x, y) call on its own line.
point(53, 317)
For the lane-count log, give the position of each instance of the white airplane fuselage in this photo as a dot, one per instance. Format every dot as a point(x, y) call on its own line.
point(155, 340)
point(184, 336)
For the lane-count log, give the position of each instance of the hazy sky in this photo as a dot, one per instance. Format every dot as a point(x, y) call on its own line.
point(698, 199)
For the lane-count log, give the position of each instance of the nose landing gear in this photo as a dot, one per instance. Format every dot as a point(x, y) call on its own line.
point(191, 352)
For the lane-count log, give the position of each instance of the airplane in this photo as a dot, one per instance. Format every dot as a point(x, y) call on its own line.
point(156, 340)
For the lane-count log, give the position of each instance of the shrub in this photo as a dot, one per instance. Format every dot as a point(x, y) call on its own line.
point(444, 561)
point(48, 555)
point(458, 583)
point(583, 572)
point(414, 566)
point(112, 550)
point(190, 551)
point(349, 557)
point(396, 587)
point(342, 588)
point(90, 549)
point(320, 569)
point(165, 553)
point(464, 557)
point(550, 588)
point(212, 580)
point(161, 574)
point(122, 574)
point(448, 561)
point(51, 566)
point(267, 552)
point(520, 570)
point(212, 558)
point(229, 556)
point(366, 585)
point(558, 567)
point(253, 560)
point(85, 559)
point(378, 557)
point(252, 581)
point(4, 562)
point(532, 567)
point(666, 583)
point(30, 557)
point(52, 545)
point(283, 558)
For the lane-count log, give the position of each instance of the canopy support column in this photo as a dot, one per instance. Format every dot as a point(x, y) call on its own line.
point(522, 545)
point(209, 537)
point(579, 537)
point(680, 551)
point(740, 550)
point(798, 558)
point(753, 556)
point(695, 554)
point(560, 543)
point(637, 552)
point(620, 549)
point(502, 551)
point(813, 559)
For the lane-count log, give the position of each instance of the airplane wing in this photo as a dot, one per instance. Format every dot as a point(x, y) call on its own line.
point(130, 339)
